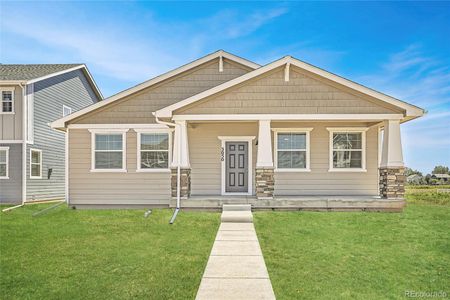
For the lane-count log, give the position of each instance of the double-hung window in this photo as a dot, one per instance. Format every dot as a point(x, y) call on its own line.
point(4, 162)
point(292, 149)
point(108, 151)
point(7, 100)
point(35, 164)
point(153, 150)
point(347, 149)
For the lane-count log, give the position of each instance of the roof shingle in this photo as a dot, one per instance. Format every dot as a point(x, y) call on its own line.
point(31, 71)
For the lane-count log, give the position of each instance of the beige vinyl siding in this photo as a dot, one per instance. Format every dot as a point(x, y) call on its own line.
point(138, 108)
point(205, 153)
point(129, 188)
point(321, 182)
point(11, 124)
point(302, 94)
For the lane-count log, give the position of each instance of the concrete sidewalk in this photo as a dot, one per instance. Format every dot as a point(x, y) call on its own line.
point(236, 268)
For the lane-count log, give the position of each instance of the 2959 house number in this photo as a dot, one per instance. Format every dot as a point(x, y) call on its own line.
point(222, 154)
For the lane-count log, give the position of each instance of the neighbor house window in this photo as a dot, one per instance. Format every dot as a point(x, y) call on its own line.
point(153, 150)
point(347, 150)
point(35, 163)
point(7, 100)
point(66, 110)
point(4, 162)
point(108, 151)
point(292, 149)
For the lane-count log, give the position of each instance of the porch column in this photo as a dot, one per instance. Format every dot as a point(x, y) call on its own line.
point(392, 175)
point(264, 163)
point(180, 143)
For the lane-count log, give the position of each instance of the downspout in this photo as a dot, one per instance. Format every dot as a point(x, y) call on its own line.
point(24, 149)
point(177, 208)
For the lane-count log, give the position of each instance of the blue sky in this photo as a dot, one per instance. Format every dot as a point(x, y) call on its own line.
point(399, 48)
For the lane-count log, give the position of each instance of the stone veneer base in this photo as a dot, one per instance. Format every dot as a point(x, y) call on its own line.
point(392, 182)
point(265, 183)
point(185, 183)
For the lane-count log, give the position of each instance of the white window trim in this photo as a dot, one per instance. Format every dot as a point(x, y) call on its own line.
point(7, 89)
point(138, 161)
point(123, 132)
point(307, 132)
point(40, 163)
point(68, 108)
point(248, 139)
point(361, 130)
point(7, 162)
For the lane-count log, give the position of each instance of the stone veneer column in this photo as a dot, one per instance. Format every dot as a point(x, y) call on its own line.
point(185, 183)
point(264, 183)
point(392, 182)
point(392, 171)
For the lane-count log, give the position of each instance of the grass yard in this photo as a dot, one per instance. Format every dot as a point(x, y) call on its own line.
point(312, 255)
point(79, 254)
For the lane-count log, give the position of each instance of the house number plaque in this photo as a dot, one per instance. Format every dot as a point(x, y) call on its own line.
point(222, 154)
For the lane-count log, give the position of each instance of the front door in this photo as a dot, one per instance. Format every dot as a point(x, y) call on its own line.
point(236, 162)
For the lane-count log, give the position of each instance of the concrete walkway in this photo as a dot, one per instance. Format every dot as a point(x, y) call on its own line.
point(236, 268)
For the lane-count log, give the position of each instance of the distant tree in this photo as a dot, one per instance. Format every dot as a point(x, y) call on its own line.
point(409, 171)
point(428, 179)
point(440, 170)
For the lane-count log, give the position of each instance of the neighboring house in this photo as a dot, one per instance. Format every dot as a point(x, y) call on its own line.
point(415, 179)
point(443, 178)
point(286, 134)
point(32, 165)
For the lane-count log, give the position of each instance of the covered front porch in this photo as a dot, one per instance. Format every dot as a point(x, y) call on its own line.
point(206, 175)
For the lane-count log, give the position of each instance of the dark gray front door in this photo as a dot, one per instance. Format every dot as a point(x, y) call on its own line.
point(236, 173)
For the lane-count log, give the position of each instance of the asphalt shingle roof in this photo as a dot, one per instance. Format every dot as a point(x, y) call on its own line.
point(31, 71)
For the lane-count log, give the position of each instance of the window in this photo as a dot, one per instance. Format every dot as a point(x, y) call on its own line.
point(292, 149)
point(4, 161)
point(347, 150)
point(108, 151)
point(153, 151)
point(7, 100)
point(35, 163)
point(66, 110)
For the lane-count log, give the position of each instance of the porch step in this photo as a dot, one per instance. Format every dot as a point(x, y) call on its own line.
point(236, 216)
point(236, 207)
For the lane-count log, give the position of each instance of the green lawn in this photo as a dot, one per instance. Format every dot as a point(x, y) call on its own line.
point(78, 254)
point(335, 255)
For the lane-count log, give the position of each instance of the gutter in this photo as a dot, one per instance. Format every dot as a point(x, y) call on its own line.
point(177, 208)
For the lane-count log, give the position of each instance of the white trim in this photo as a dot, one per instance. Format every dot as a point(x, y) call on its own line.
point(13, 95)
point(55, 74)
point(288, 117)
point(307, 132)
point(169, 150)
point(117, 126)
point(41, 164)
point(11, 141)
point(61, 123)
point(248, 139)
point(68, 108)
point(286, 72)
point(361, 130)
point(29, 106)
point(411, 110)
point(123, 132)
point(6, 149)
point(66, 165)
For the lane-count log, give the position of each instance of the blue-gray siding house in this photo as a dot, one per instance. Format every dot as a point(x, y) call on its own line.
point(32, 155)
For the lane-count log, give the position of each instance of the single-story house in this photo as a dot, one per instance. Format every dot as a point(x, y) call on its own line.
point(441, 177)
point(223, 129)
